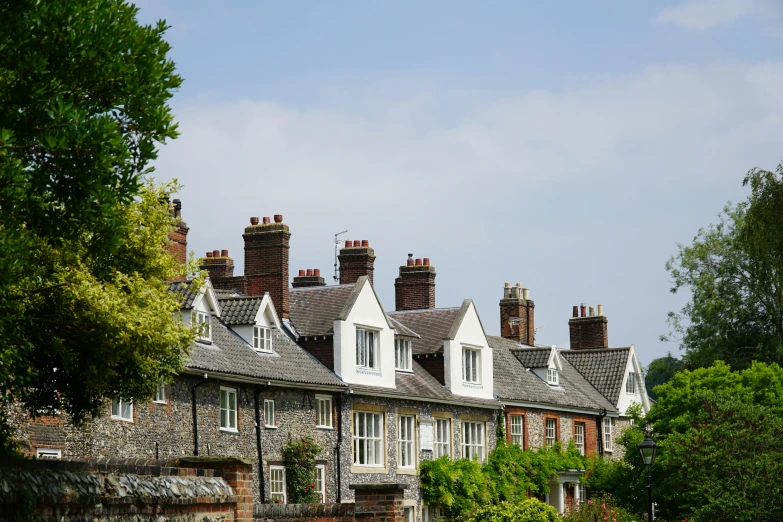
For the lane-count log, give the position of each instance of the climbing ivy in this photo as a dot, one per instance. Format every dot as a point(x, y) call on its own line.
point(299, 455)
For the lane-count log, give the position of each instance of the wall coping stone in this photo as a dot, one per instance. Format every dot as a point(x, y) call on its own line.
point(378, 486)
point(216, 460)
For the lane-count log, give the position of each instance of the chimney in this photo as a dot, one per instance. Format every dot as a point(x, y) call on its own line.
point(179, 237)
point(217, 264)
point(517, 315)
point(356, 259)
point(266, 260)
point(588, 331)
point(309, 277)
point(415, 288)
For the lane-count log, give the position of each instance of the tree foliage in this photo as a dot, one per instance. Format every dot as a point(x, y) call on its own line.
point(84, 311)
point(734, 272)
point(525, 510)
point(660, 371)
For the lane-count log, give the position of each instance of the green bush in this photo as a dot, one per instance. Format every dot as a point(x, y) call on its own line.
point(601, 508)
point(528, 510)
point(458, 486)
point(299, 458)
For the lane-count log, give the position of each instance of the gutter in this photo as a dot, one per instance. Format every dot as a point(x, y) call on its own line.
point(402, 396)
point(543, 405)
point(195, 414)
point(268, 382)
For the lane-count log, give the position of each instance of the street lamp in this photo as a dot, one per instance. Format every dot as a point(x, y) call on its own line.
point(648, 448)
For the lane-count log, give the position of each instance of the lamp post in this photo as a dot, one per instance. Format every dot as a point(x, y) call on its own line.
point(648, 448)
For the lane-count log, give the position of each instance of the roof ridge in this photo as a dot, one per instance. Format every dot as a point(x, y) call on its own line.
point(594, 350)
point(420, 310)
point(314, 288)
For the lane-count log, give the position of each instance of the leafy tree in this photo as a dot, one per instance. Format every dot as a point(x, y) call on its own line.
point(84, 311)
point(734, 271)
point(660, 371)
point(526, 510)
point(458, 486)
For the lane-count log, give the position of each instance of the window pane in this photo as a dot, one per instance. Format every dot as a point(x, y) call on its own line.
point(115, 408)
point(223, 400)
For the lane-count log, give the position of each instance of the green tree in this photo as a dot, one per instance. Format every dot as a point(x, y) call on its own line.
point(734, 272)
point(525, 510)
point(84, 310)
point(660, 371)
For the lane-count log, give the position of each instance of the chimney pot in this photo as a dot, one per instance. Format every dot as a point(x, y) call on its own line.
point(418, 261)
point(583, 310)
point(254, 221)
point(224, 253)
point(592, 311)
point(365, 243)
point(357, 243)
point(576, 311)
point(177, 208)
point(209, 254)
point(426, 261)
point(519, 285)
point(356, 263)
point(410, 260)
point(525, 294)
point(600, 310)
point(216, 253)
point(301, 273)
point(507, 285)
point(317, 272)
point(348, 243)
point(278, 218)
point(309, 272)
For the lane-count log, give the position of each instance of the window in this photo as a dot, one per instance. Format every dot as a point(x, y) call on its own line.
point(160, 394)
point(551, 432)
point(367, 439)
point(367, 349)
point(262, 339)
point(551, 376)
point(323, 411)
point(122, 409)
point(431, 513)
point(630, 383)
point(47, 453)
point(582, 493)
point(473, 441)
point(228, 409)
point(470, 365)
point(269, 413)
point(204, 330)
point(608, 433)
point(442, 444)
point(402, 355)
point(579, 437)
point(405, 445)
point(277, 484)
point(320, 481)
point(407, 514)
point(517, 430)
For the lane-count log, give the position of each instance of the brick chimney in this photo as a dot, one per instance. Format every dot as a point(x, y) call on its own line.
point(217, 264)
point(309, 277)
point(517, 315)
point(356, 259)
point(415, 288)
point(588, 331)
point(179, 237)
point(266, 260)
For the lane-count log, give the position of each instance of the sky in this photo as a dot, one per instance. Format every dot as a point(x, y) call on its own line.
point(568, 145)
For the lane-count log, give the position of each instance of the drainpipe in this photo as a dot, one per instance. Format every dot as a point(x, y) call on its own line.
point(339, 445)
point(257, 403)
point(195, 414)
point(600, 431)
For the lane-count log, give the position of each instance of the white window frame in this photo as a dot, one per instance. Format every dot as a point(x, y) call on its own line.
point(471, 365)
point(582, 493)
point(474, 440)
point(552, 376)
point(579, 437)
point(630, 383)
point(608, 425)
point(122, 404)
point(372, 440)
point(270, 420)
point(442, 438)
point(367, 357)
point(262, 339)
point(275, 481)
point(517, 430)
point(230, 414)
point(409, 513)
point(320, 481)
point(406, 441)
point(323, 412)
point(403, 355)
point(203, 326)
point(550, 427)
point(48, 453)
point(160, 394)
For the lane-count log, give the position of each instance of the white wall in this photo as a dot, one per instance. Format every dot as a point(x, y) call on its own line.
point(366, 312)
point(626, 399)
point(470, 334)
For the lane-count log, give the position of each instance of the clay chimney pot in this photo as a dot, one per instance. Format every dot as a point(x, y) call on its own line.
point(576, 311)
point(224, 253)
point(365, 243)
point(418, 261)
point(278, 218)
point(209, 254)
point(426, 261)
point(317, 272)
point(254, 221)
point(216, 253)
point(309, 272)
point(410, 260)
point(301, 273)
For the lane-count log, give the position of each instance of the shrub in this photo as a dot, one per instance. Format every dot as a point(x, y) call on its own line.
point(600, 508)
point(299, 458)
point(528, 510)
point(458, 486)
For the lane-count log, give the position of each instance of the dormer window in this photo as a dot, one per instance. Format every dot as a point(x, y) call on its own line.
point(630, 383)
point(367, 349)
point(262, 339)
point(402, 355)
point(551, 376)
point(203, 326)
point(471, 362)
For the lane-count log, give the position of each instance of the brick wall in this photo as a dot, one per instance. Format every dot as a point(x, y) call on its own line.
point(414, 289)
point(357, 259)
point(434, 364)
point(322, 349)
point(588, 332)
point(535, 426)
point(266, 260)
point(217, 264)
point(517, 315)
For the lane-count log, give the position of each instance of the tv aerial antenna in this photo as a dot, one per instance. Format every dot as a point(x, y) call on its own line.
point(336, 244)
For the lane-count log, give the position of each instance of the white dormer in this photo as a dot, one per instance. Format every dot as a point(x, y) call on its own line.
point(551, 373)
point(258, 332)
point(467, 356)
point(364, 340)
point(632, 389)
point(203, 307)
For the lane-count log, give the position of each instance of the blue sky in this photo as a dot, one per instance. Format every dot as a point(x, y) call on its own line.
point(566, 145)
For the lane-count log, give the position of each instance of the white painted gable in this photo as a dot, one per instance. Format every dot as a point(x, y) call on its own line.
point(468, 333)
point(205, 301)
point(266, 316)
point(553, 363)
point(626, 399)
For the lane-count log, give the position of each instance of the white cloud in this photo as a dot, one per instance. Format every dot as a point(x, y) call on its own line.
point(707, 14)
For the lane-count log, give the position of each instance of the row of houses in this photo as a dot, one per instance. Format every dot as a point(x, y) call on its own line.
point(378, 390)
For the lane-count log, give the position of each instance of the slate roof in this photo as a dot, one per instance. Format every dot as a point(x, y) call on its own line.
point(604, 368)
point(185, 292)
point(433, 325)
point(239, 310)
point(401, 329)
point(313, 309)
point(514, 383)
point(230, 354)
point(422, 385)
point(533, 357)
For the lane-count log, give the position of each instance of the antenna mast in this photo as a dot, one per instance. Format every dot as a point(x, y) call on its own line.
point(336, 243)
